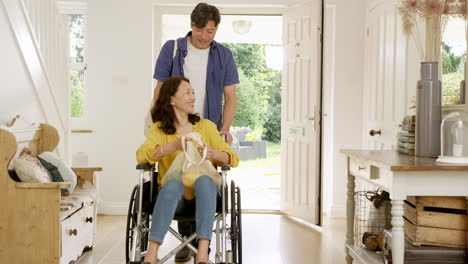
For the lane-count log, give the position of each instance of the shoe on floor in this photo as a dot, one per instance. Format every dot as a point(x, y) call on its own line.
point(183, 255)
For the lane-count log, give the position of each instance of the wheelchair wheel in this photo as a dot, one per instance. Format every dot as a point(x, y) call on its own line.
point(132, 223)
point(236, 224)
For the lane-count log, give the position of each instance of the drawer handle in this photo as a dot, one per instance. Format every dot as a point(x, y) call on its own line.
point(73, 232)
point(89, 219)
point(361, 168)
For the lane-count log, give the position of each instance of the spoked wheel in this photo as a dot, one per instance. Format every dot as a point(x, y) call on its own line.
point(236, 224)
point(132, 229)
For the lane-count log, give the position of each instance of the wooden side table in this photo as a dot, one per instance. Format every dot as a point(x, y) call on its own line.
point(401, 176)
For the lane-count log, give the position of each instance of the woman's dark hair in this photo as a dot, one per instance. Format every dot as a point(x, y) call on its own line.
point(162, 110)
point(203, 13)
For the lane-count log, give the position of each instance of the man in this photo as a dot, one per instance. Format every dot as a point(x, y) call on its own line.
point(208, 65)
point(212, 72)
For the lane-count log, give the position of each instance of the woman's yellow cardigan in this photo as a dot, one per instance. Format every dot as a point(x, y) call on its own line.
point(206, 128)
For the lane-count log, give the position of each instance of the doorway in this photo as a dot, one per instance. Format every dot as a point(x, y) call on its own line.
point(300, 155)
point(256, 46)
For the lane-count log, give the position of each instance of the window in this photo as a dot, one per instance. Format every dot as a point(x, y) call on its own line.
point(77, 64)
point(453, 62)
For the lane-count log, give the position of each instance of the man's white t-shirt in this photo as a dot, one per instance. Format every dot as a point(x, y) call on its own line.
point(195, 68)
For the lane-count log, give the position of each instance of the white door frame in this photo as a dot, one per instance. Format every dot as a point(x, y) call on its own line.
point(328, 95)
point(160, 9)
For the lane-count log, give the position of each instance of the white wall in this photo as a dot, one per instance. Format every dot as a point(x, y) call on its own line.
point(119, 82)
point(17, 94)
point(346, 99)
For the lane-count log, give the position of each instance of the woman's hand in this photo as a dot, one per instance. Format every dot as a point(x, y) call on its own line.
point(178, 143)
point(163, 150)
point(214, 154)
point(211, 153)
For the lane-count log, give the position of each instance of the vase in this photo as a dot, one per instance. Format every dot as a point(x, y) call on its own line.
point(428, 111)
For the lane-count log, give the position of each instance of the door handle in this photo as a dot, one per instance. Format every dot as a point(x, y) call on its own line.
point(373, 132)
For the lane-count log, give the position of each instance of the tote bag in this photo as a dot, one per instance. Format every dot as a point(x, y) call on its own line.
point(188, 165)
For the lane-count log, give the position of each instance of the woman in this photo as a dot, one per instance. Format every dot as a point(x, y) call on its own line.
point(173, 117)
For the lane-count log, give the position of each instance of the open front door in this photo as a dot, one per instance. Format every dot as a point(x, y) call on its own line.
point(301, 103)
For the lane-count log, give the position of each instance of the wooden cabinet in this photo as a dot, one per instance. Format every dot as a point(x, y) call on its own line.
point(77, 233)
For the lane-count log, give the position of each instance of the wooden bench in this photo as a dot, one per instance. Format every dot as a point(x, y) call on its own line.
point(37, 223)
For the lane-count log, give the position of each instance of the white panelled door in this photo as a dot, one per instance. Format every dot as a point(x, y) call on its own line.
point(389, 85)
point(300, 117)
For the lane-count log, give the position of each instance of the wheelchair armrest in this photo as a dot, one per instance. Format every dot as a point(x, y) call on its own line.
point(145, 167)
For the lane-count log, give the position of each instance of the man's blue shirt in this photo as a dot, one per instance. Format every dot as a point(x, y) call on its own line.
point(221, 72)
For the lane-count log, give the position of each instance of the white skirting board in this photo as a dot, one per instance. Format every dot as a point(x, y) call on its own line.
point(112, 208)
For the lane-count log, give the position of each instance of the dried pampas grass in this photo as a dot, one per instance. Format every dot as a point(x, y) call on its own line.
point(433, 14)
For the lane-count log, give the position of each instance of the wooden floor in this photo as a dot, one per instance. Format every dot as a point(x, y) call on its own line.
point(269, 239)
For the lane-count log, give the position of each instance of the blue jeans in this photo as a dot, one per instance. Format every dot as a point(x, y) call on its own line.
point(170, 202)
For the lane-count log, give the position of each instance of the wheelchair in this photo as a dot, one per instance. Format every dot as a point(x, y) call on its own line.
point(142, 200)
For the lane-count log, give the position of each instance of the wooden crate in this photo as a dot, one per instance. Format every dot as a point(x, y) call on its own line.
point(451, 202)
point(436, 221)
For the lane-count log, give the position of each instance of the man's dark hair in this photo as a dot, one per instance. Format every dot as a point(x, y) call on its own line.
point(162, 110)
point(203, 13)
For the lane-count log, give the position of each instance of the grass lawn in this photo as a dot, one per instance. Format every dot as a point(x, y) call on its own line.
point(272, 161)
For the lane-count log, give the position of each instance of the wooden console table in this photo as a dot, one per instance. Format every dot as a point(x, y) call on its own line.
point(401, 176)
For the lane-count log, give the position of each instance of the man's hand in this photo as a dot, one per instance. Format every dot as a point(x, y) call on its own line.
point(228, 136)
point(229, 111)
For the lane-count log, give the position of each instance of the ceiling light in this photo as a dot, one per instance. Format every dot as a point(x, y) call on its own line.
point(241, 26)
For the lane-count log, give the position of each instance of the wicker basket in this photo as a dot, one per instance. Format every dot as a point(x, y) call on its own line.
point(372, 215)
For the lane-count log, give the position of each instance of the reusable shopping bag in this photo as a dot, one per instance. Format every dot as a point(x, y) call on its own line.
point(189, 165)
